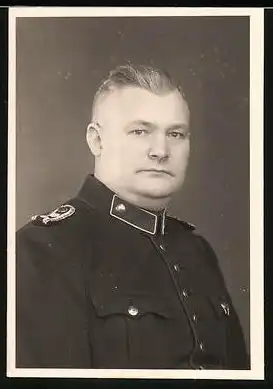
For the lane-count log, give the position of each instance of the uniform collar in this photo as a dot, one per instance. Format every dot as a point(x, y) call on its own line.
point(100, 197)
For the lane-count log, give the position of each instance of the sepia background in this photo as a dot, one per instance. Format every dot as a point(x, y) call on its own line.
point(60, 63)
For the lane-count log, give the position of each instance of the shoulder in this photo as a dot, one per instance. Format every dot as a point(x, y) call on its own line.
point(50, 244)
point(191, 235)
point(175, 221)
point(62, 223)
point(55, 216)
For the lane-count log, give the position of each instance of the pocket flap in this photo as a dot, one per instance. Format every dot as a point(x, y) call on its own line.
point(133, 306)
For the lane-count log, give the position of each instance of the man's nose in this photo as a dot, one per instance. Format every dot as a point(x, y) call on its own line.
point(159, 147)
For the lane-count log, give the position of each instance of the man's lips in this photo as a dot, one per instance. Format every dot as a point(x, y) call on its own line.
point(160, 171)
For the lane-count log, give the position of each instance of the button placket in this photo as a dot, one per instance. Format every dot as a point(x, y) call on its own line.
point(183, 294)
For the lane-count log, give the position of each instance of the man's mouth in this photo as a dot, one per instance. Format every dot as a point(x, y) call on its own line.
point(158, 171)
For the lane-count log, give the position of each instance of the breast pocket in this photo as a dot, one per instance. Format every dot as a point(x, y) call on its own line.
point(132, 331)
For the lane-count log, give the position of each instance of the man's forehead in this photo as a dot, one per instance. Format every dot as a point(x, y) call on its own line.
point(136, 94)
point(130, 100)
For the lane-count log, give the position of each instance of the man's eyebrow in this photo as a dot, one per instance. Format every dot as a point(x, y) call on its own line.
point(179, 126)
point(142, 123)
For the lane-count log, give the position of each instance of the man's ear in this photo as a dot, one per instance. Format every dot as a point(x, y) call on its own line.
point(93, 138)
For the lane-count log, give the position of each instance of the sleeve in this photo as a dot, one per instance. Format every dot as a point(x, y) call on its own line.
point(237, 356)
point(50, 319)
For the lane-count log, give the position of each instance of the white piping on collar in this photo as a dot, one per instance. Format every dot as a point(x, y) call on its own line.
point(163, 222)
point(132, 224)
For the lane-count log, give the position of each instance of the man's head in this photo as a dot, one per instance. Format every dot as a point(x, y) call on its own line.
point(139, 135)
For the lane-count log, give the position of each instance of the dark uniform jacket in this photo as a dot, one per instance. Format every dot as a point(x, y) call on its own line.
point(104, 284)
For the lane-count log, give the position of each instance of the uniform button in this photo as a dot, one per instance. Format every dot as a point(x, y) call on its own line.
point(176, 267)
point(162, 247)
point(184, 293)
point(133, 311)
point(201, 346)
point(201, 367)
point(120, 208)
point(194, 318)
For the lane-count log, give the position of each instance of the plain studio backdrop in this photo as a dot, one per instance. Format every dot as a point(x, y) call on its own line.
point(60, 63)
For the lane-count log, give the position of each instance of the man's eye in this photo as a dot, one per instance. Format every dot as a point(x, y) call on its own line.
point(177, 135)
point(139, 131)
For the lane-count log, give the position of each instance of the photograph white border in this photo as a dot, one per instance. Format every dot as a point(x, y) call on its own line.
point(256, 16)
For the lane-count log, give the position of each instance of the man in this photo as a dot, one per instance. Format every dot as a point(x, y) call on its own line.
point(108, 280)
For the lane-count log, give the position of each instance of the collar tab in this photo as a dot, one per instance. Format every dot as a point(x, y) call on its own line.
point(137, 217)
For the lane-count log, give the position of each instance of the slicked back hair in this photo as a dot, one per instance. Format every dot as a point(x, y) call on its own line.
point(154, 80)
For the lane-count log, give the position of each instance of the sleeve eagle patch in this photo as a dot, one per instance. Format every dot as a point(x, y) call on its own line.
point(60, 213)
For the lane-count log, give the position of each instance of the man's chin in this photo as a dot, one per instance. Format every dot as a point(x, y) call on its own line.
point(158, 187)
point(157, 192)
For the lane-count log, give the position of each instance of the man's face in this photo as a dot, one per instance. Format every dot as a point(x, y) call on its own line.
point(145, 143)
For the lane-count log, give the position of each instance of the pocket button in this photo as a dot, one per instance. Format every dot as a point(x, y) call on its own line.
point(133, 311)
